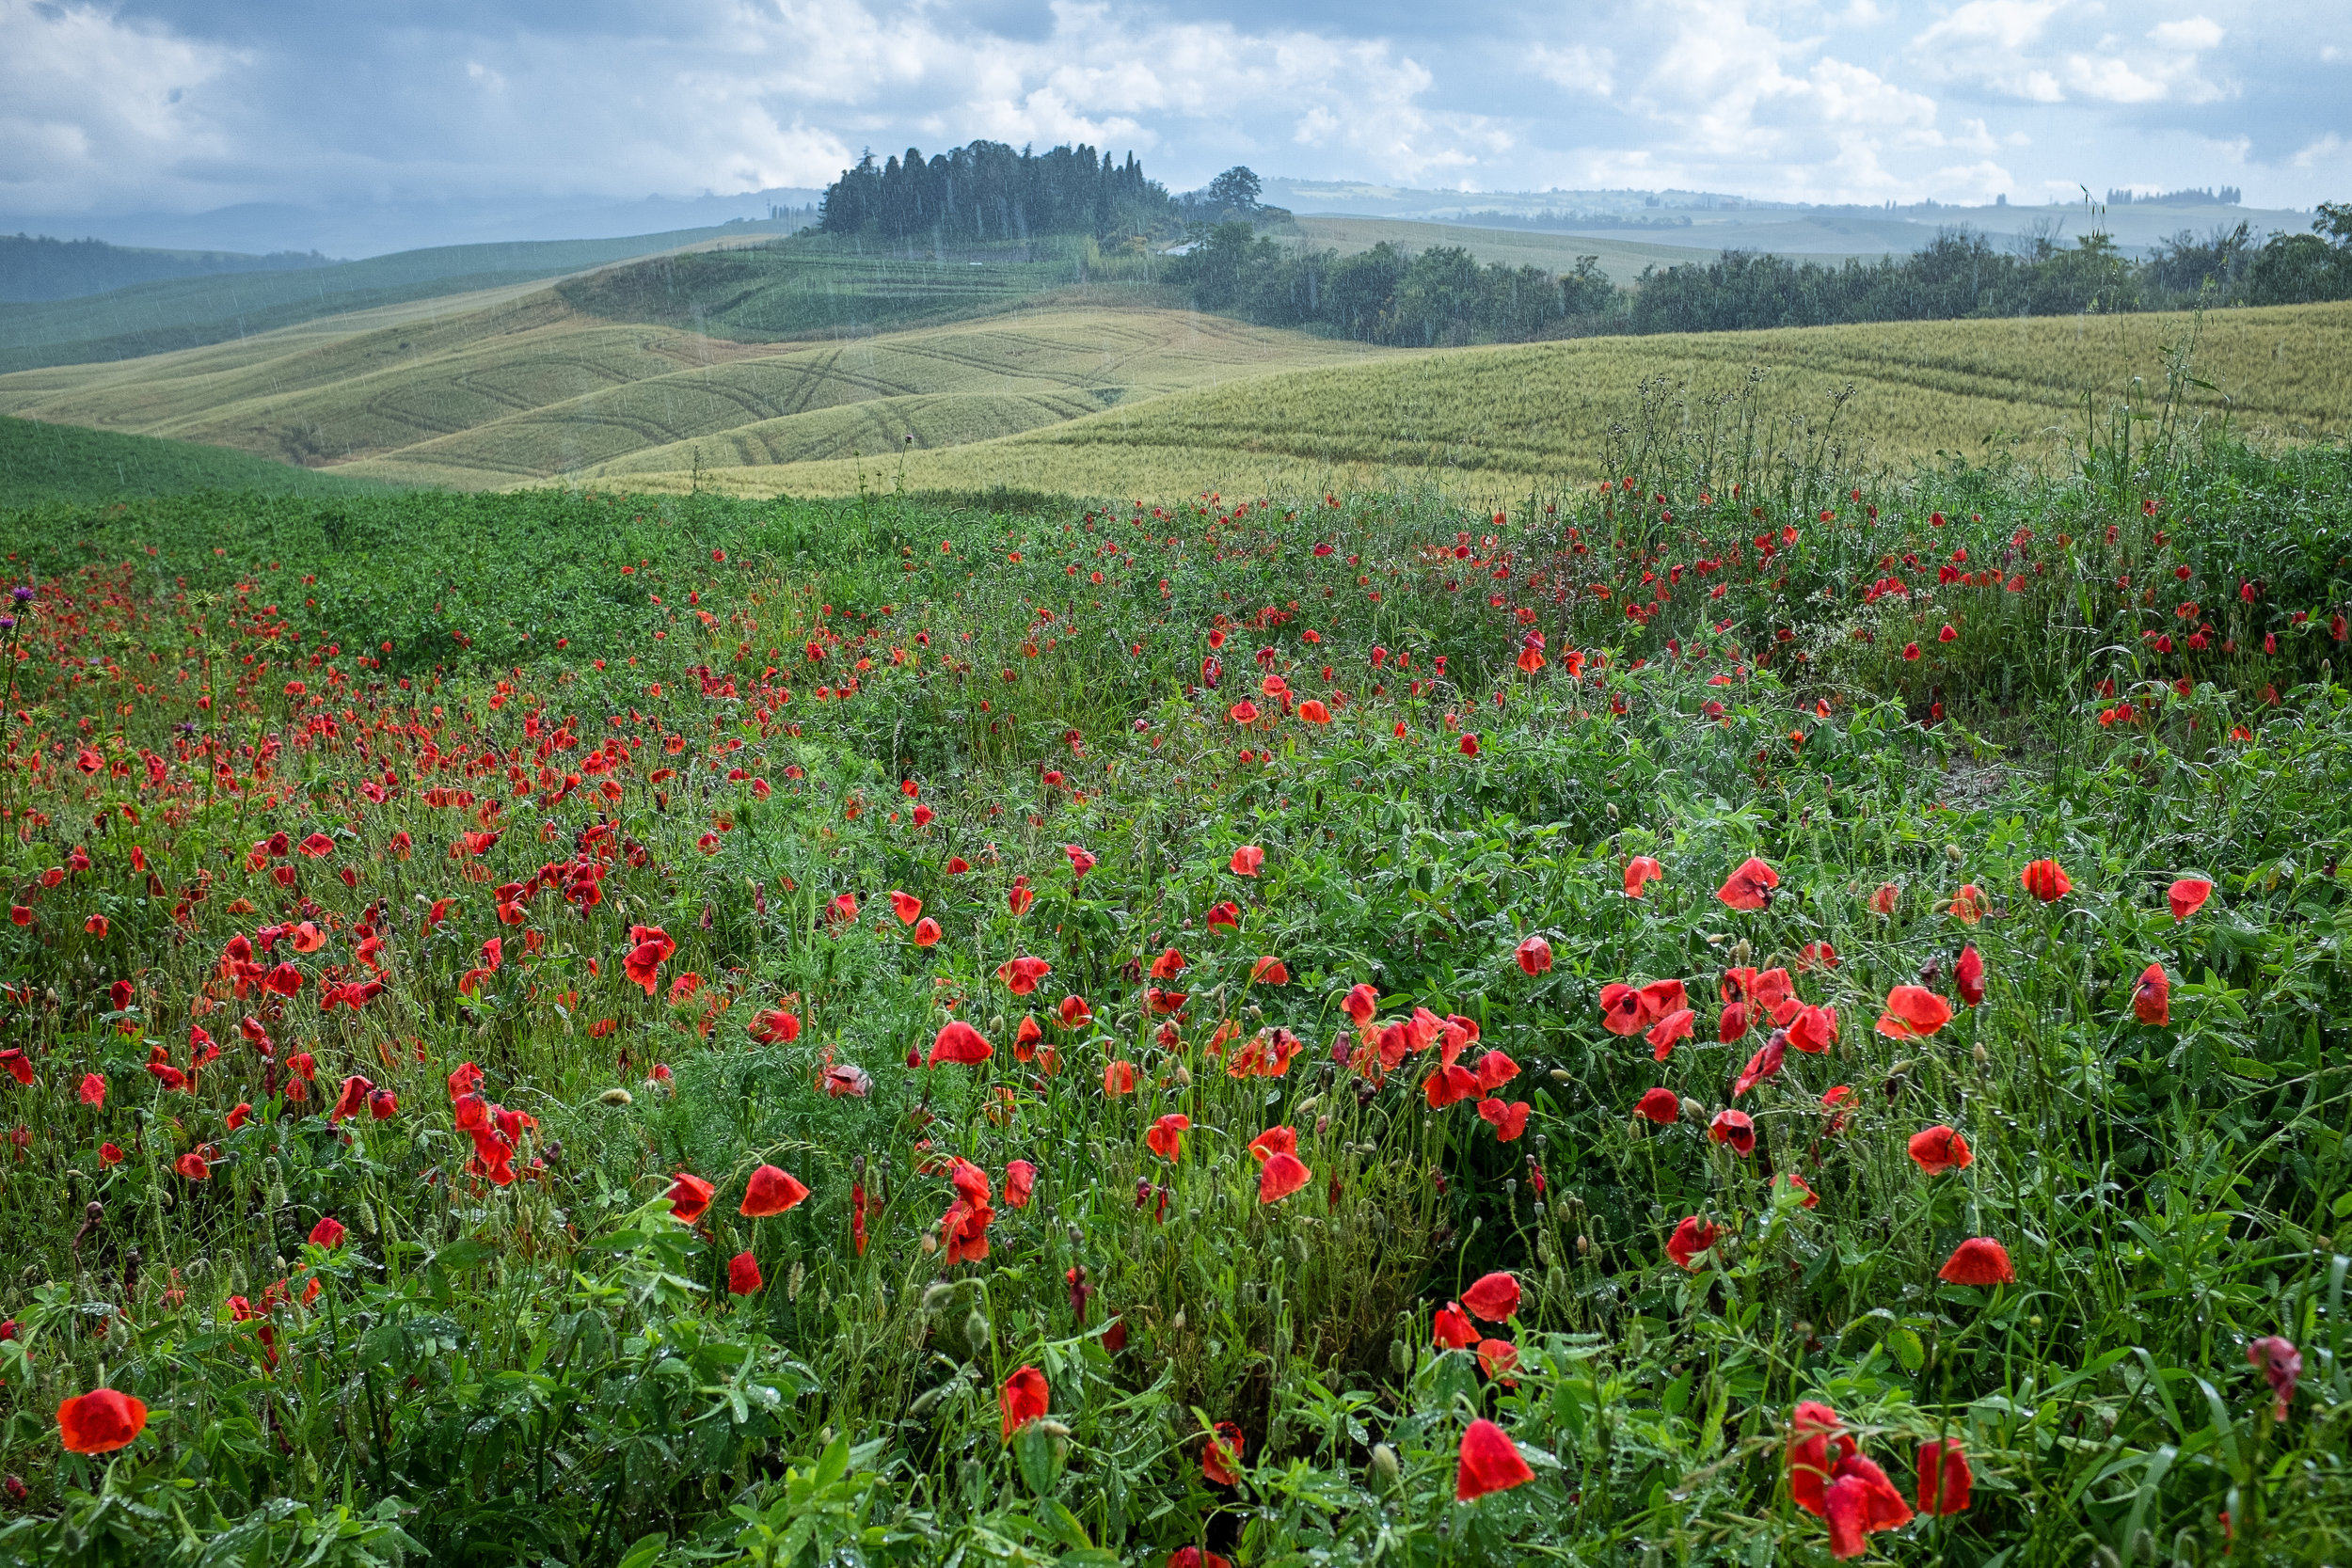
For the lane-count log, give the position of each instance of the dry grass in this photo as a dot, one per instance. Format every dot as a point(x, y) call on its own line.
point(525, 388)
point(1497, 420)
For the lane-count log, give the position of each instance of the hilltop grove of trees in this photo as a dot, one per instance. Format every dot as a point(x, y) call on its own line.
point(987, 191)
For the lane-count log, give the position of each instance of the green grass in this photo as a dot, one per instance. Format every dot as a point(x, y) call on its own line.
point(56, 463)
point(158, 318)
point(713, 707)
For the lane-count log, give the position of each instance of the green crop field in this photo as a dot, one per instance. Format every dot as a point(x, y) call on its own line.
point(42, 462)
point(1620, 258)
point(1495, 420)
point(1780, 1009)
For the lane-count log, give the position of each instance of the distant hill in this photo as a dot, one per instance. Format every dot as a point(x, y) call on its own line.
point(37, 267)
point(189, 312)
point(41, 463)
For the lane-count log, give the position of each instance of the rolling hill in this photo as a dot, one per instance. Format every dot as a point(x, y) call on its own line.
point(187, 313)
point(41, 463)
point(520, 385)
point(1498, 421)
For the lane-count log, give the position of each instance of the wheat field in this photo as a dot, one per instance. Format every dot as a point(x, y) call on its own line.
point(1497, 420)
point(523, 387)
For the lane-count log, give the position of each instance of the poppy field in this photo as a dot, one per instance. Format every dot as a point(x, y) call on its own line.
point(1741, 1013)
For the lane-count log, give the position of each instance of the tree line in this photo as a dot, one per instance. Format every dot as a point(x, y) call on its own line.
point(987, 191)
point(1442, 296)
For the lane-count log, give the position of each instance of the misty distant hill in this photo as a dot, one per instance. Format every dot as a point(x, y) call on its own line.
point(36, 267)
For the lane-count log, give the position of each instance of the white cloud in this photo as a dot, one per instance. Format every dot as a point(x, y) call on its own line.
point(2189, 34)
point(89, 103)
point(1580, 68)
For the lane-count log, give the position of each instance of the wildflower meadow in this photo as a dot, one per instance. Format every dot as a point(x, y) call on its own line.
point(1743, 1012)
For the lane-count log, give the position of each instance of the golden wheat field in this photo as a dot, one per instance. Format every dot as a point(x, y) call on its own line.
point(487, 394)
point(1496, 420)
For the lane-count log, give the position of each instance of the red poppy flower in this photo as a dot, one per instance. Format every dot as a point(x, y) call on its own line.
point(1193, 1557)
point(1749, 887)
point(1359, 1003)
point(1225, 913)
point(689, 1195)
point(1508, 1121)
point(110, 1153)
point(1273, 1141)
point(1449, 1085)
point(1164, 1137)
point(1023, 1398)
point(907, 907)
point(1978, 1261)
point(1222, 1454)
point(1766, 1062)
point(1660, 1106)
point(1969, 905)
point(1938, 1148)
point(1020, 1182)
point(1119, 1078)
point(1269, 971)
point(1451, 1328)
point(329, 1232)
point(1488, 1461)
point(771, 1191)
point(2046, 880)
point(94, 1090)
point(1022, 974)
point(1470, 746)
point(744, 1275)
point(1494, 1297)
point(1735, 1127)
point(1246, 860)
point(957, 865)
point(1968, 976)
point(1534, 956)
point(100, 1421)
point(2188, 897)
point(958, 1041)
point(1860, 1501)
point(239, 1117)
point(1912, 1013)
point(650, 945)
point(353, 1100)
point(1498, 1360)
point(1494, 1070)
point(2151, 999)
point(193, 1167)
point(774, 1026)
point(1080, 860)
point(1167, 965)
point(1675, 1025)
point(1283, 1174)
point(1797, 1183)
point(1639, 873)
point(1074, 1012)
point(2282, 1366)
point(1691, 1238)
point(1244, 712)
point(1943, 1478)
point(1813, 1029)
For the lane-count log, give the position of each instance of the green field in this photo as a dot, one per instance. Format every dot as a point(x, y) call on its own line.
point(41, 463)
point(597, 1029)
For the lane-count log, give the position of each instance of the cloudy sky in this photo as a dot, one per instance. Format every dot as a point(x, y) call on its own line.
point(186, 105)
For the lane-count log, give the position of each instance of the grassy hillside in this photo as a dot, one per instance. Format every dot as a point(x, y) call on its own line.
point(1497, 420)
point(44, 463)
point(528, 387)
point(823, 286)
point(156, 318)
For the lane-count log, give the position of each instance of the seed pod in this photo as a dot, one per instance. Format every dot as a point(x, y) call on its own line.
point(1384, 1464)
